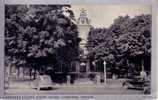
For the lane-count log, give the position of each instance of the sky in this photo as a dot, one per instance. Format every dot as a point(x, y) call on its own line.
point(103, 15)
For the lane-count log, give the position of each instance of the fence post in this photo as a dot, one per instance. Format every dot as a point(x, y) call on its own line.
point(68, 79)
point(98, 79)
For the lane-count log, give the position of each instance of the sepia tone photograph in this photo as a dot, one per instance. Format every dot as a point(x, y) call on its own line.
point(78, 49)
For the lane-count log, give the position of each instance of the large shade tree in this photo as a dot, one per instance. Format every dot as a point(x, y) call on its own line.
point(125, 45)
point(40, 35)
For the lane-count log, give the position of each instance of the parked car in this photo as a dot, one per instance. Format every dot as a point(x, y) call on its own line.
point(136, 82)
point(42, 82)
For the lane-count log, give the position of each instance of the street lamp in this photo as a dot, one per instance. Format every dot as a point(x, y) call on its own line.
point(104, 63)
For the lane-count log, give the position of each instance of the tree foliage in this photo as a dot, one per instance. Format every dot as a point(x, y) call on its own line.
point(40, 35)
point(127, 42)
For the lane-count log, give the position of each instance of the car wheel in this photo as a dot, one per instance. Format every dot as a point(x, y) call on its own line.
point(146, 90)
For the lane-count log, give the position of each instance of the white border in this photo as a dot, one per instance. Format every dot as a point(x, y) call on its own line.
point(1, 48)
point(78, 2)
point(153, 3)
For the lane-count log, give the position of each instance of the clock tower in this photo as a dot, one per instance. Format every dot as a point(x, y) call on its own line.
point(83, 27)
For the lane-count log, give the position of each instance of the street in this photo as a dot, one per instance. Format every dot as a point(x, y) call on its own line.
point(112, 87)
point(74, 90)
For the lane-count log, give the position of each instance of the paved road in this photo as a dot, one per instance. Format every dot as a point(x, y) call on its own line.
point(74, 90)
point(113, 87)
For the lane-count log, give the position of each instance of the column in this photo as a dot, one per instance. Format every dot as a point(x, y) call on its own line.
point(104, 63)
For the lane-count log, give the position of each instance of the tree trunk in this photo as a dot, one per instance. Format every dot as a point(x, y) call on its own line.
point(30, 73)
point(34, 74)
point(10, 70)
point(18, 73)
point(23, 70)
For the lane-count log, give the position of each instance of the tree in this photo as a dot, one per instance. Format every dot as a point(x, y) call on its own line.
point(40, 35)
point(125, 44)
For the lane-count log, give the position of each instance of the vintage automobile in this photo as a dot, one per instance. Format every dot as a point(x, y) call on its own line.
point(136, 82)
point(42, 82)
